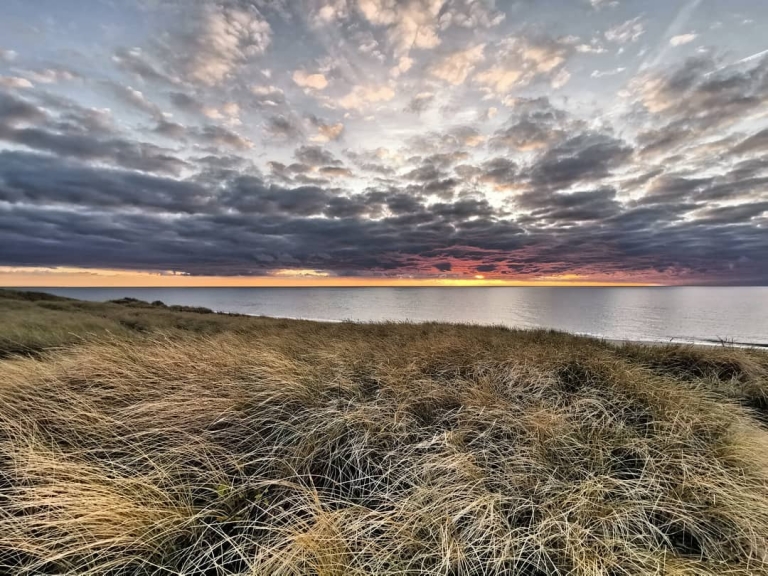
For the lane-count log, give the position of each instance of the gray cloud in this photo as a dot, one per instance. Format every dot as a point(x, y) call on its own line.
point(315, 156)
point(588, 156)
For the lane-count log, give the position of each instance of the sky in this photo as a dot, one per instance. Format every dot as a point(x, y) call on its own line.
point(363, 142)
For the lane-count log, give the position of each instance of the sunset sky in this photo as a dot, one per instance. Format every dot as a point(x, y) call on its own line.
point(362, 142)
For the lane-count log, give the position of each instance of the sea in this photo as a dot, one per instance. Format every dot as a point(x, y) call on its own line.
point(705, 315)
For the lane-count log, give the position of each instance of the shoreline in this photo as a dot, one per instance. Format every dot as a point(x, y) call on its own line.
point(538, 316)
point(651, 342)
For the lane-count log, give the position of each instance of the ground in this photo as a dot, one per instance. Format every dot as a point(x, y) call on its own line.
point(140, 439)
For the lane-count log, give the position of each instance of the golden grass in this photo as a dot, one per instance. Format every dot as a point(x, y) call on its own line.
point(214, 445)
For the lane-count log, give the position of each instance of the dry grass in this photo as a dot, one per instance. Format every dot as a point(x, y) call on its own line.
point(214, 445)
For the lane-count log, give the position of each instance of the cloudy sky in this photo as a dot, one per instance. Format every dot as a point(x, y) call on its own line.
point(354, 141)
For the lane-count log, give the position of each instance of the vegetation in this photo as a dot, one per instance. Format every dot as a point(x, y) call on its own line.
point(140, 440)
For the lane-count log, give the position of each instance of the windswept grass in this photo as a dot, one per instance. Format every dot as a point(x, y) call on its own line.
point(205, 444)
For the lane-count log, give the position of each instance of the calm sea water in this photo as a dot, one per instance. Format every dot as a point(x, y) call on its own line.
point(674, 313)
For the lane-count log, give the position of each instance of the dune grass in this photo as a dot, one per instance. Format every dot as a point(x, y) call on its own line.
point(139, 440)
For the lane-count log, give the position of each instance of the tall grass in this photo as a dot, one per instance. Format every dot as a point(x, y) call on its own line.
point(257, 446)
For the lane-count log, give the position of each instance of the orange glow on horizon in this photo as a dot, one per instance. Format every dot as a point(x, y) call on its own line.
point(22, 277)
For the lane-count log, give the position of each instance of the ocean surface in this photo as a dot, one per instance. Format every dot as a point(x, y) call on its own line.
point(688, 314)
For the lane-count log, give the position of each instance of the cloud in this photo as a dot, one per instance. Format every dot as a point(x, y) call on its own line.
point(362, 96)
point(404, 64)
point(217, 136)
point(7, 55)
point(500, 80)
point(229, 112)
point(599, 4)
point(520, 61)
point(626, 32)
point(335, 172)
point(603, 73)
point(282, 127)
point(697, 98)
point(170, 129)
point(681, 39)
point(14, 82)
point(27, 177)
point(756, 143)
point(213, 39)
point(326, 132)
point(312, 81)
point(331, 11)
point(455, 67)
point(24, 124)
point(134, 98)
point(586, 157)
point(185, 102)
point(129, 154)
point(560, 79)
point(242, 224)
point(410, 23)
point(499, 172)
point(470, 14)
point(533, 125)
point(50, 75)
point(420, 102)
point(315, 156)
point(579, 206)
point(137, 63)
point(268, 95)
point(15, 111)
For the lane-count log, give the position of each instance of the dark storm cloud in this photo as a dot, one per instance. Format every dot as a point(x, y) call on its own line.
point(534, 124)
point(423, 173)
point(39, 179)
point(588, 156)
point(697, 98)
point(137, 155)
point(501, 172)
point(443, 189)
point(186, 102)
point(369, 162)
point(283, 128)
point(66, 115)
point(170, 129)
point(733, 214)
point(420, 103)
point(24, 124)
point(315, 156)
point(755, 144)
point(335, 171)
point(15, 111)
point(218, 136)
point(580, 206)
point(251, 195)
point(456, 138)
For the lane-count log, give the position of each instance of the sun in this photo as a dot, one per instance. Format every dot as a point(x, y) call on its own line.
point(479, 277)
